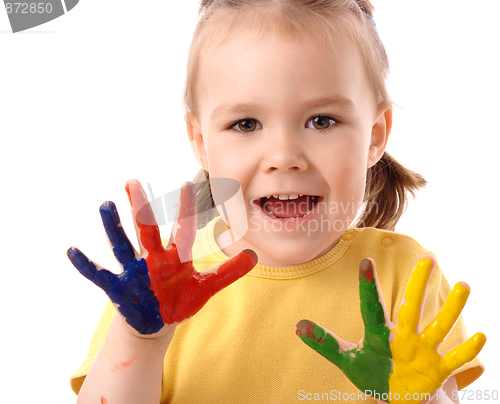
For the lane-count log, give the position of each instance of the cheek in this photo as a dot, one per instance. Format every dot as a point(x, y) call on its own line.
point(347, 169)
point(348, 153)
point(229, 177)
point(226, 160)
point(228, 196)
point(222, 156)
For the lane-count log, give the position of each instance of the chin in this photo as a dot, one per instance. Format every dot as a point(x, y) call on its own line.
point(290, 254)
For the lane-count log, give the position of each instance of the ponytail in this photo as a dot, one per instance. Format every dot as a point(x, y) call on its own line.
point(388, 184)
point(204, 199)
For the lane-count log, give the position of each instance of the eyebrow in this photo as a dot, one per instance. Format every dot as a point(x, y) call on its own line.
point(338, 101)
point(226, 109)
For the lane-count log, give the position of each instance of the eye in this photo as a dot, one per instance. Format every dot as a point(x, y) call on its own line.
point(322, 122)
point(245, 125)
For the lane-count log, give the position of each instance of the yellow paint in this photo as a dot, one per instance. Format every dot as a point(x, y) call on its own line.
point(409, 312)
point(418, 367)
point(464, 353)
point(439, 328)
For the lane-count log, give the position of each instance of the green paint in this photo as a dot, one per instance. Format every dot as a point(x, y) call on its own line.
point(376, 332)
point(368, 368)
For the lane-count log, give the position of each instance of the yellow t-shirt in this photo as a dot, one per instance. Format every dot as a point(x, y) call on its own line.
point(241, 346)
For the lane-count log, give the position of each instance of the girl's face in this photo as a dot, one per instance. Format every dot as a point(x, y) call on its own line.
point(288, 118)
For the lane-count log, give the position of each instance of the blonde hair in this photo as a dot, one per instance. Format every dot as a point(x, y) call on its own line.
point(388, 183)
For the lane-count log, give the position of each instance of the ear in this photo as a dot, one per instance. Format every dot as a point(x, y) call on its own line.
point(380, 135)
point(196, 139)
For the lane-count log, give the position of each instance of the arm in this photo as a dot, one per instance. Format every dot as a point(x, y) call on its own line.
point(157, 289)
point(447, 390)
point(127, 370)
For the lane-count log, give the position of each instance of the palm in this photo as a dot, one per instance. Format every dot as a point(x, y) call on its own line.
point(411, 362)
point(160, 285)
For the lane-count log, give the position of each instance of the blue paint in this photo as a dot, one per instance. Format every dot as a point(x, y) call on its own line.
point(130, 290)
point(122, 247)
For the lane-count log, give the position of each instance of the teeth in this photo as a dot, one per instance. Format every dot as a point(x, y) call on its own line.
point(284, 197)
point(269, 213)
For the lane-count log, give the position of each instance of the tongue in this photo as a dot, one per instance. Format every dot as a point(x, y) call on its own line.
point(289, 208)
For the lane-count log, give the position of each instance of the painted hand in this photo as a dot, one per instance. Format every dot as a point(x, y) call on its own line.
point(393, 359)
point(155, 287)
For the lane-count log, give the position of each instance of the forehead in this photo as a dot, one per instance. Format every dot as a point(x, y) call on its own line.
point(280, 72)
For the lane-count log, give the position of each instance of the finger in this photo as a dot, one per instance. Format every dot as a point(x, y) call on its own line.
point(147, 230)
point(372, 302)
point(184, 229)
point(438, 329)
point(464, 353)
point(373, 308)
point(122, 248)
point(410, 311)
point(99, 276)
point(324, 342)
point(213, 280)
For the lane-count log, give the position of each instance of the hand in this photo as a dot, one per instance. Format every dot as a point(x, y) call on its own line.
point(155, 287)
point(393, 359)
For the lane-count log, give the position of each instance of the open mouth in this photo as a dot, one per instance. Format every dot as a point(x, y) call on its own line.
point(288, 207)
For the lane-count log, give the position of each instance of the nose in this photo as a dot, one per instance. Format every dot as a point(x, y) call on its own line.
point(285, 152)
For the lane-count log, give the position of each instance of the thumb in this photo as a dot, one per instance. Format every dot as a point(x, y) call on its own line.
point(323, 341)
point(226, 273)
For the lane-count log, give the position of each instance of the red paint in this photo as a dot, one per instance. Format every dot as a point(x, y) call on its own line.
point(118, 367)
point(180, 289)
point(365, 271)
point(306, 328)
point(103, 400)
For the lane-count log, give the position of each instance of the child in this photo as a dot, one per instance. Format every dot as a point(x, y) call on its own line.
point(289, 99)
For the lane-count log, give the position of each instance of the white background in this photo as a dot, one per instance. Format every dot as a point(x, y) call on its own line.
point(94, 98)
